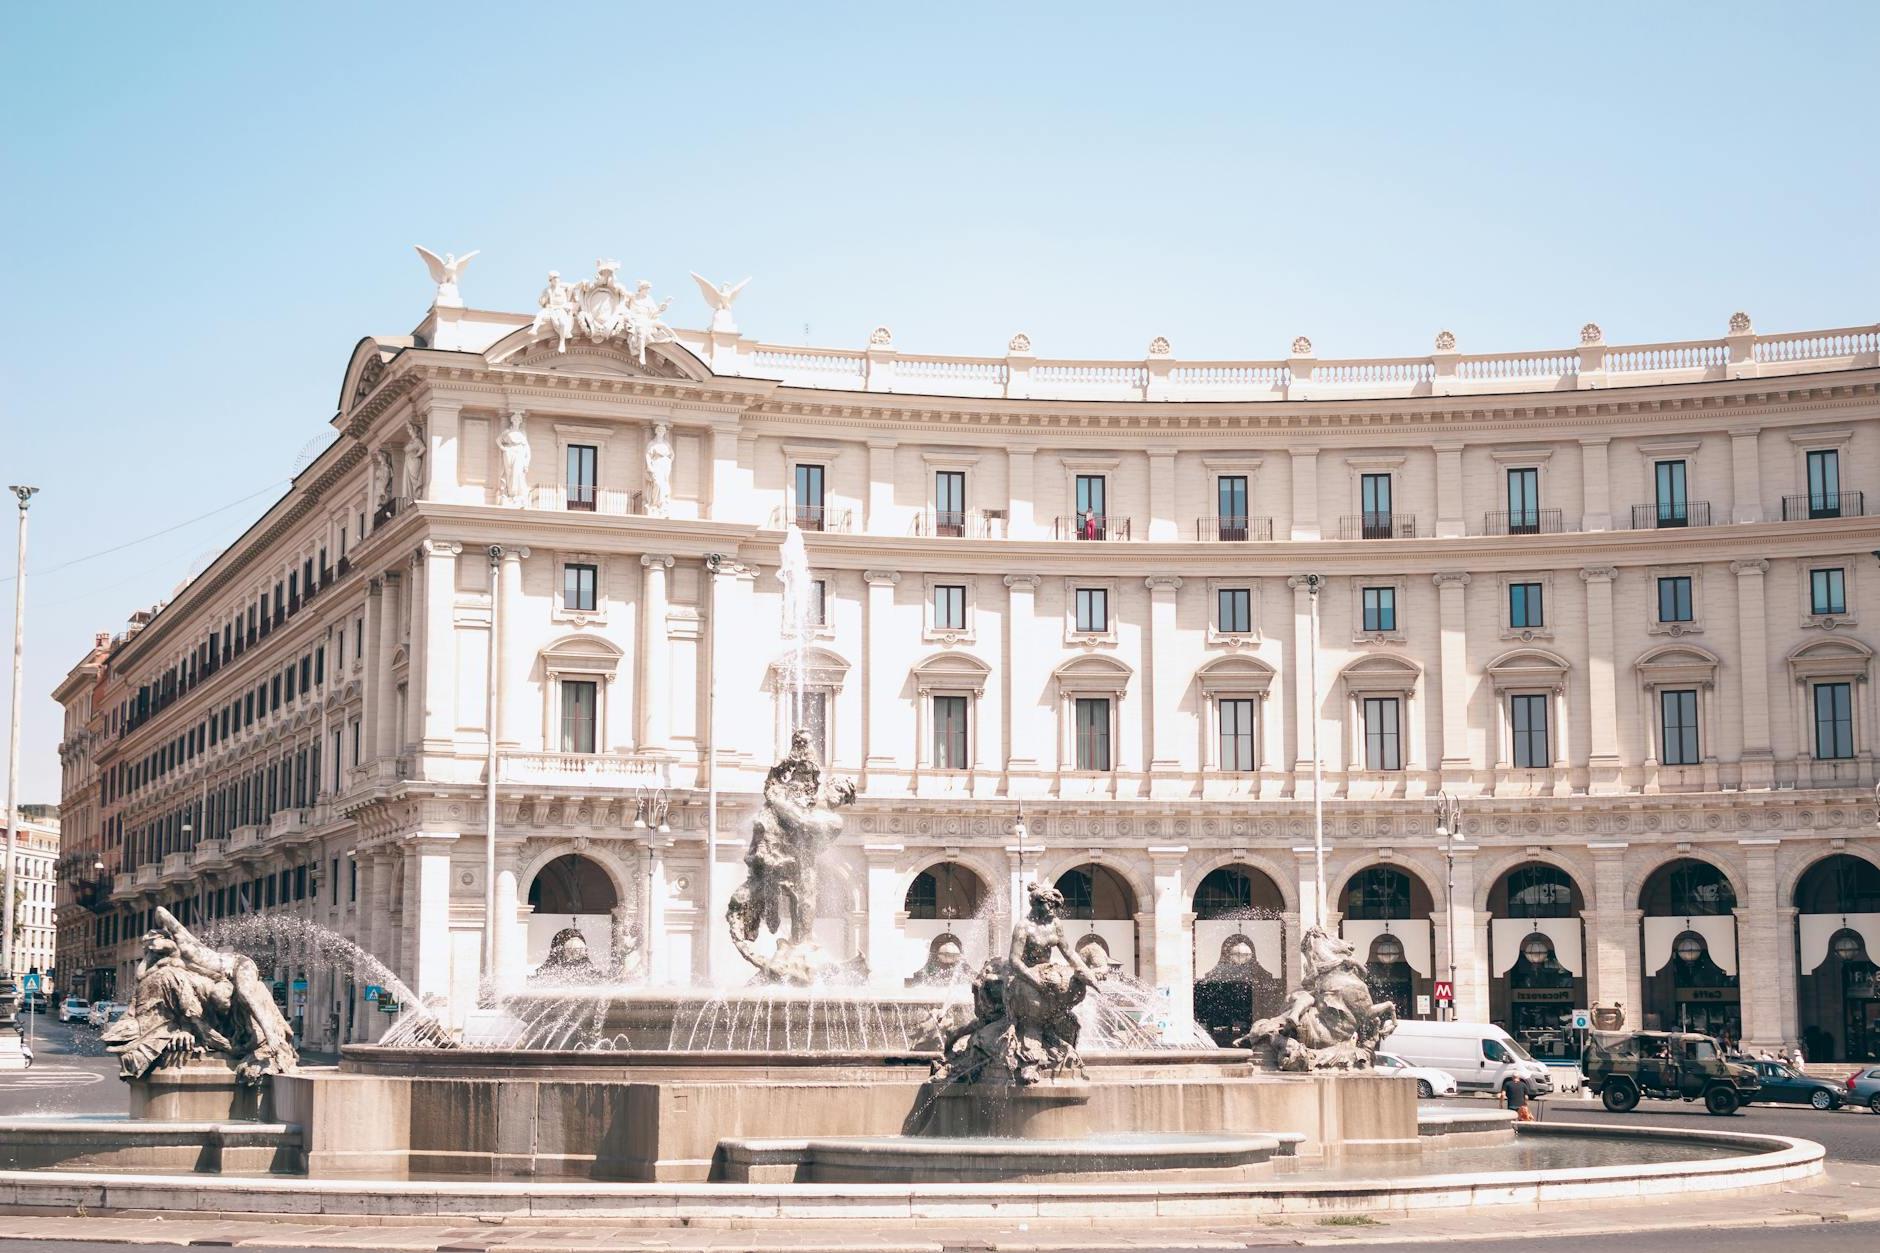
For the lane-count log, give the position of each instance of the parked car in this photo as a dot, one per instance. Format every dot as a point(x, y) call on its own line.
point(74, 1009)
point(1784, 1085)
point(1430, 1082)
point(100, 1013)
point(35, 1002)
point(1863, 1088)
point(1477, 1055)
point(1622, 1066)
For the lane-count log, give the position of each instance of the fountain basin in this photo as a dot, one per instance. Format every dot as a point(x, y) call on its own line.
point(983, 1159)
point(126, 1144)
point(203, 1089)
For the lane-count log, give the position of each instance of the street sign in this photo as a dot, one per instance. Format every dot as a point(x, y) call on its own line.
point(300, 985)
point(29, 983)
point(373, 991)
point(1582, 1020)
point(1423, 1005)
point(1445, 991)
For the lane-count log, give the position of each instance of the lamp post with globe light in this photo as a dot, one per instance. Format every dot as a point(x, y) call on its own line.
point(1448, 823)
point(10, 1056)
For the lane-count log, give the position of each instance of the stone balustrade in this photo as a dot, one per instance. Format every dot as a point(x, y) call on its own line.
point(582, 770)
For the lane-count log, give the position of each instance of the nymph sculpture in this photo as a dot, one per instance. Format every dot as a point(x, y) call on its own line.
point(1331, 1022)
point(191, 1001)
point(797, 824)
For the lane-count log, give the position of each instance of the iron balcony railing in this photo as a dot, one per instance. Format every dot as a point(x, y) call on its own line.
point(1090, 526)
point(1670, 514)
point(1522, 522)
point(1378, 526)
point(1231, 528)
point(960, 523)
point(1823, 505)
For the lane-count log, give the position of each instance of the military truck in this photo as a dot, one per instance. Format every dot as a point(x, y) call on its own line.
point(1622, 1066)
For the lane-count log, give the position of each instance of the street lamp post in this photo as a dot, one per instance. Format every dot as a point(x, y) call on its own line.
point(1448, 822)
point(1314, 583)
point(9, 998)
point(492, 673)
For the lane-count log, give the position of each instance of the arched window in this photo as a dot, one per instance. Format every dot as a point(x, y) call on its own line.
point(1687, 888)
point(1536, 890)
point(948, 890)
point(1384, 892)
point(1236, 892)
point(1839, 884)
point(1092, 892)
point(572, 884)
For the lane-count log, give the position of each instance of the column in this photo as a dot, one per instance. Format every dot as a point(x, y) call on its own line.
point(369, 681)
point(1471, 956)
point(1450, 594)
point(379, 920)
point(1449, 519)
point(509, 935)
point(512, 673)
point(1302, 680)
point(416, 650)
point(1308, 900)
point(884, 689)
point(437, 699)
point(427, 916)
point(1162, 524)
point(1595, 485)
point(725, 477)
point(364, 921)
point(1029, 722)
point(884, 906)
point(385, 716)
point(1612, 944)
point(653, 913)
point(654, 678)
point(1167, 681)
point(880, 519)
point(1174, 950)
point(1752, 628)
point(442, 436)
point(1021, 493)
point(1602, 706)
point(1761, 949)
point(1305, 493)
point(1746, 476)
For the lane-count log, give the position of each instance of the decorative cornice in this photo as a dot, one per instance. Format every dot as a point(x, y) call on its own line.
point(881, 578)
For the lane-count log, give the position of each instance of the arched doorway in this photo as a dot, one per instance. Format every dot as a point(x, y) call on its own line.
point(572, 891)
point(1240, 951)
point(1690, 961)
point(946, 933)
point(1387, 919)
point(1838, 935)
point(1099, 902)
point(1537, 971)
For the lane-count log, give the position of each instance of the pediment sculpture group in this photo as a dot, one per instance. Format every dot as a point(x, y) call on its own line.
point(601, 309)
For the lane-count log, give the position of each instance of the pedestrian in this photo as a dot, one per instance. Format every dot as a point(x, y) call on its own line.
point(1515, 1091)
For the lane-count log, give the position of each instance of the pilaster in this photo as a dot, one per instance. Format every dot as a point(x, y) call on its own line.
point(1174, 946)
point(1602, 692)
point(435, 697)
point(655, 666)
point(512, 663)
point(1167, 681)
point(1305, 494)
point(884, 711)
point(1595, 485)
point(1449, 495)
point(1752, 626)
point(884, 907)
point(1021, 491)
point(1746, 475)
point(880, 519)
point(1028, 720)
point(1454, 631)
point(1761, 950)
point(1162, 525)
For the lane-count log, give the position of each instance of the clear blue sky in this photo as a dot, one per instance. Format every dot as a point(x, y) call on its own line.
point(205, 207)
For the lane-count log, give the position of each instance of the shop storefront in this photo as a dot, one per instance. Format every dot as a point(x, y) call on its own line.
point(1837, 927)
point(1689, 947)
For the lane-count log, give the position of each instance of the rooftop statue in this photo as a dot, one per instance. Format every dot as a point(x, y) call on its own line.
point(797, 824)
point(1331, 1022)
point(444, 272)
point(720, 298)
point(601, 309)
point(557, 315)
point(191, 1001)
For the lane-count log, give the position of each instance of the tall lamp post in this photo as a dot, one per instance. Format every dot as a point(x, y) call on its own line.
point(9, 997)
point(1314, 583)
point(1448, 822)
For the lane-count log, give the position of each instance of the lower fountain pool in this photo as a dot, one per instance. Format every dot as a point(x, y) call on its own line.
point(1550, 1150)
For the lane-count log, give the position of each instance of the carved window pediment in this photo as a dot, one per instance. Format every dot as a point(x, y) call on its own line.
point(1235, 676)
point(952, 672)
point(1678, 665)
point(822, 668)
point(1381, 675)
point(1530, 668)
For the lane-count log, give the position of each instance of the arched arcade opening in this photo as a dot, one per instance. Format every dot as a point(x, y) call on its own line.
point(946, 931)
point(1387, 919)
point(1240, 951)
point(573, 891)
point(1837, 935)
point(1536, 949)
point(1099, 903)
point(1690, 959)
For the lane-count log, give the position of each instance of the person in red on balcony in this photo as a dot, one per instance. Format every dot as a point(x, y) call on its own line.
point(1089, 527)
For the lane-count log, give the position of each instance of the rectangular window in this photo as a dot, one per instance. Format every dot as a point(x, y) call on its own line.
point(578, 584)
point(579, 707)
point(818, 603)
point(1374, 500)
point(1380, 609)
point(1834, 721)
point(814, 718)
point(1673, 504)
point(1524, 606)
point(1679, 709)
point(1824, 484)
point(1231, 505)
point(359, 637)
point(949, 733)
point(1092, 493)
point(582, 469)
point(1674, 599)
point(1234, 610)
point(949, 502)
point(1527, 714)
point(1524, 502)
point(1236, 717)
point(1383, 739)
point(1827, 590)
point(809, 497)
point(1093, 733)
point(1093, 609)
point(949, 607)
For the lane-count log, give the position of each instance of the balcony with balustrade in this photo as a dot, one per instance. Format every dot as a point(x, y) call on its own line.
point(1233, 529)
point(582, 770)
point(960, 523)
point(1095, 527)
point(176, 868)
point(1670, 515)
point(123, 886)
point(1809, 506)
point(1362, 526)
point(211, 855)
point(244, 842)
point(1523, 522)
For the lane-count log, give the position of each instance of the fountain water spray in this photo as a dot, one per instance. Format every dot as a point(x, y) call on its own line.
point(793, 573)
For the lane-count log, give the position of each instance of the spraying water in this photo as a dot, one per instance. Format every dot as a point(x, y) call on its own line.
point(793, 573)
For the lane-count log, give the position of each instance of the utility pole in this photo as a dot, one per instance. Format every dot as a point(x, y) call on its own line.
point(1313, 584)
point(10, 1056)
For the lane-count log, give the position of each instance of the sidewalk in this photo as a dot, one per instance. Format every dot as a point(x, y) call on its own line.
point(1847, 1194)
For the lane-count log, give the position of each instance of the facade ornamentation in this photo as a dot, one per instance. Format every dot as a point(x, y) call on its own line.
point(513, 444)
point(1739, 323)
point(445, 271)
point(1591, 334)
point(1331, 1022)
point(1445, 341)
point(383, 478)
point(414, 460)
point(369, 375)
point(556, 316)
point(720, 298)
point(1020, 342)
point(602, 309)
point(1159, 346)
point(1302, 347)
point(881, 337)
point(659, 472)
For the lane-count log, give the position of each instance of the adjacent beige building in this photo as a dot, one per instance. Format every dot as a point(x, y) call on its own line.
point(1614, 599)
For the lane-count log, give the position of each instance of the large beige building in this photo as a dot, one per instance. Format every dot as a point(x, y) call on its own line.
point(1614, 599)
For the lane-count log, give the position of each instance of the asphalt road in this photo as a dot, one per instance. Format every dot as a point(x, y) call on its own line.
point(71, 1073)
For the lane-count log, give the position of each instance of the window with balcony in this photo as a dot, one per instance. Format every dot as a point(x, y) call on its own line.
point(949, 607)
point(1834, 721)
point(1234, 610)
point(949, 502)
point(1674, 599)
point(1678, 711)
point(1380, 609)
point(1672, 500)
point(949, 733)
point(1093, 610)
point(580, 711)
point(1374, 505)
point(1524, 502)
point(1092, 733)
point(1231, 506)
point(1383, 736)
point(1827, 591)
point(1525, 610)
point(810, 510)
point(1527, 717)
point(579, 587)
point(1824, 483)
point(1235, 715)
point(582, 483)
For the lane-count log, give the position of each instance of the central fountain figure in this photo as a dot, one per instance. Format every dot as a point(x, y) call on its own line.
point(797, 824)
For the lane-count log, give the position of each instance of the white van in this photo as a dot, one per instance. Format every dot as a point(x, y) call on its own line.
point(1479, 1054)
